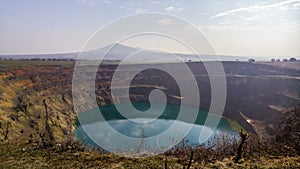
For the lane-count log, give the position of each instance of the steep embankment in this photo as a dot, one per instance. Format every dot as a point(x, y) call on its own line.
point(36, 102)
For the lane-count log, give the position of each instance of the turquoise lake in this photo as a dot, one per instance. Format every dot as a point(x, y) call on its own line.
point(144, 132)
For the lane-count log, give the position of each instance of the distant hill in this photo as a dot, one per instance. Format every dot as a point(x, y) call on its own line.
point(119, 52)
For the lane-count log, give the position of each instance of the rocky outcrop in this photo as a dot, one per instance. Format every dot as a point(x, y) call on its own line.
point(36, 101)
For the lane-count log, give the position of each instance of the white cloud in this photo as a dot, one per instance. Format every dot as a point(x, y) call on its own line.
point(94, 2)
point(284, 5)
point(296, 6)
point(172, 8)
point(169, 8)
point(140, 10)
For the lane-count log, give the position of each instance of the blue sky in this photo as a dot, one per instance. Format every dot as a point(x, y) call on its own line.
point(247, 28)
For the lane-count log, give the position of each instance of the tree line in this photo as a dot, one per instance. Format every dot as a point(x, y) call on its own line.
point(40, 59)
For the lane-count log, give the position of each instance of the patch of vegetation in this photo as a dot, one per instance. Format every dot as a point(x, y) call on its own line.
point(234, 125)
point(6, 65)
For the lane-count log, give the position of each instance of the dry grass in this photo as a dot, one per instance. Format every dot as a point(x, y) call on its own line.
point(6, 65)
point(60, 156)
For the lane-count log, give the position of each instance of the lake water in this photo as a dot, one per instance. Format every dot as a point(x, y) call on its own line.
point(143, 133)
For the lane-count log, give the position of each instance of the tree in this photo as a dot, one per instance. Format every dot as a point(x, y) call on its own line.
point(251, 60)
point(240, 147)
point(293, 60)
point(273, 60)
point(287, 138)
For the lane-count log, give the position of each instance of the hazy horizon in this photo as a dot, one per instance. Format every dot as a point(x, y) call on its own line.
point(74, 55)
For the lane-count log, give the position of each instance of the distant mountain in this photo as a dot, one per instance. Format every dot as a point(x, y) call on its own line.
point(115, 51)
point(111, 52)
point(119, 52)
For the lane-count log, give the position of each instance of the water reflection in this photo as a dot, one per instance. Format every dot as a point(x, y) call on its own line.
point(140, 131)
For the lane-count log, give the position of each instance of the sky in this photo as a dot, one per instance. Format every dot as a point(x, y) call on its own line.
point(241, 28)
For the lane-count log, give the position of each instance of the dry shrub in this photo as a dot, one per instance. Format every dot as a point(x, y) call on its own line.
point(222, 145)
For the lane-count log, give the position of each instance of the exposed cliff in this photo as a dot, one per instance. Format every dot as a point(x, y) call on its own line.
point(36, 101)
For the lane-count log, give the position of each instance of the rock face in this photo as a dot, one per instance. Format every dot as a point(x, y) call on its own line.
point(34, 98)
point(37, 100)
